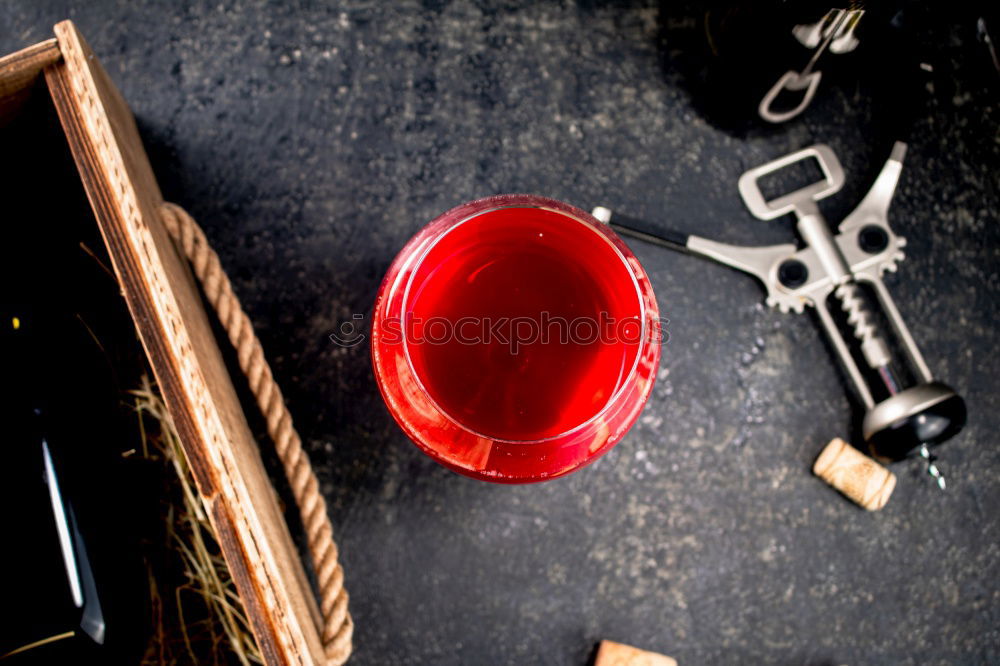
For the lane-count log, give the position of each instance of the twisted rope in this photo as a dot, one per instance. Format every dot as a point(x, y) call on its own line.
point(338, 626)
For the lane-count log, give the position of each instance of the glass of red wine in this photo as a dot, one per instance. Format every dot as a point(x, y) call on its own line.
point(515, 339)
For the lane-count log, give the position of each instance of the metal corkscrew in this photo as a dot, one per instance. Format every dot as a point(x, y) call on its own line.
point(905, 412)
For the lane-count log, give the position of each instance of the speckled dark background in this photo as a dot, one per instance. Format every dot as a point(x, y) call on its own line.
point(312, 139)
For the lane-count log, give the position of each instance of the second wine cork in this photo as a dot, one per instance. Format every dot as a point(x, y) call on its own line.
point(618, 654)
point(857, 476)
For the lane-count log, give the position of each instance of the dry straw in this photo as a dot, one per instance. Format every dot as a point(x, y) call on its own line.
point(199, 618)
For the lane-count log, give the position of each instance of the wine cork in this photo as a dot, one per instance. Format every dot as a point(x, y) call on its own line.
point(854, 474)
point(617, 654)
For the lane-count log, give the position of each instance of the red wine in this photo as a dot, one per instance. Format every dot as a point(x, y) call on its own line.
point(508, 311)
point(515, 339)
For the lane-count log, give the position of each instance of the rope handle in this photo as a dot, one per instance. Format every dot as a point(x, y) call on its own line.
point(338, 627)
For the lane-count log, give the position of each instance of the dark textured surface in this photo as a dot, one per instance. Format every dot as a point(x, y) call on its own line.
point(312, 140)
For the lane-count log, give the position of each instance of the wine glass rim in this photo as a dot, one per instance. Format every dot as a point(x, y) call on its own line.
point(543, 203)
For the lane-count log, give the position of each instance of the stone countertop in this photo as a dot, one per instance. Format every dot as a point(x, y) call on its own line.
point(312, 140)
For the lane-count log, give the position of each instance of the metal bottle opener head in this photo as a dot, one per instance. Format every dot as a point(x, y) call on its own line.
point(801, 199)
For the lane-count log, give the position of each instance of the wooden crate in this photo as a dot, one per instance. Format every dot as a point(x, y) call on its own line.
point(164, 301)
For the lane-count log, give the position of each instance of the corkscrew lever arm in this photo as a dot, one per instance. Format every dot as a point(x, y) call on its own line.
point(873, 212)
point(757, 261)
